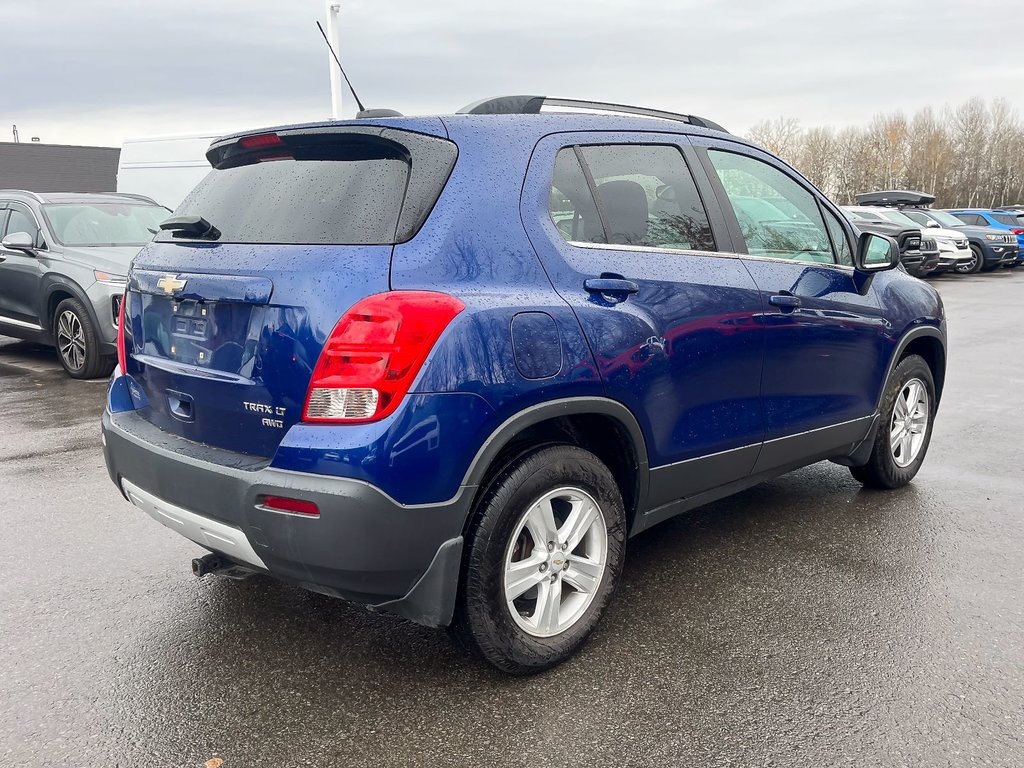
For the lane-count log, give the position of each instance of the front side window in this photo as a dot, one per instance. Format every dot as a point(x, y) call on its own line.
point(20, 221)
point(778, 217)
point(642, 195)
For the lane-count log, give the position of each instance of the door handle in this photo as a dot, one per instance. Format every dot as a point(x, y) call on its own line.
point(613, 284)
point(784, 301)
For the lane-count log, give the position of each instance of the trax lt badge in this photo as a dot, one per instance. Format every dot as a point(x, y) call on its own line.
point(170, 284)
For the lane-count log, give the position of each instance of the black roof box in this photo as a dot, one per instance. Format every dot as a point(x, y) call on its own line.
point(895, 197)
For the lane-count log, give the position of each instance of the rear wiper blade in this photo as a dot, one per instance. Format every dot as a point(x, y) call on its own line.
point(196, 226)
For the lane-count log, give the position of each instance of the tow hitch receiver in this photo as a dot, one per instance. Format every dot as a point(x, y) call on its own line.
point(214, 563)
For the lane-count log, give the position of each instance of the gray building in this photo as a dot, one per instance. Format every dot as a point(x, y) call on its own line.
point(58, 167)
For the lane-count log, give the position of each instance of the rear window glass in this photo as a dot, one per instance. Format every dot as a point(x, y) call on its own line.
point(338, 200)
point(335, 188)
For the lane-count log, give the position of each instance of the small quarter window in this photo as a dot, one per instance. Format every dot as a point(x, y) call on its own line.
point(571, 203)
point(841, 243)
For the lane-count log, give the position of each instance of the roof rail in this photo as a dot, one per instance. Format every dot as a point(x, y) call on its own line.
point(525, 105)
point(31, 194)
point(136, 197)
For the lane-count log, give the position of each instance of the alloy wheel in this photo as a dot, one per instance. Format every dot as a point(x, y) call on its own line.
point(909, 423)
point(71, 340)
point(555, 561)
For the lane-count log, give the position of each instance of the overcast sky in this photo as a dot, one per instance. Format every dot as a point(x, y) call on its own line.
point(98, 71)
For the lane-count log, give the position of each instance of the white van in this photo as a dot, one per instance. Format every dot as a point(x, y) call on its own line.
point(164, 168)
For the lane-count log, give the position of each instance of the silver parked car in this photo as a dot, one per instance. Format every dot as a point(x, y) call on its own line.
point(63, 261)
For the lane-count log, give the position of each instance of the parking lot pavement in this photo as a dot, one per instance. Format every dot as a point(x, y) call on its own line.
point(805, 622)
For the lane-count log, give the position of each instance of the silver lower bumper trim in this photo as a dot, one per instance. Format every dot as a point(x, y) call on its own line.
point(220, 537)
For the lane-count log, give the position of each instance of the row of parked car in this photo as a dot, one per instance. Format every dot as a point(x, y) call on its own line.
point(65, 256)
point(964, 241)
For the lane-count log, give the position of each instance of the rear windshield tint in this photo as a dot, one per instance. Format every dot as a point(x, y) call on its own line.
point(341, 188)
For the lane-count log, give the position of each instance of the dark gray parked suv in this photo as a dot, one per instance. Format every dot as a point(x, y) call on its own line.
point(63, 262)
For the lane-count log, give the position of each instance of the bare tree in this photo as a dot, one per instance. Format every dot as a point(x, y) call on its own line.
point(969, 155)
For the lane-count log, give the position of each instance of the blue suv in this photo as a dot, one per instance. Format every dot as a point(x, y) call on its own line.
point(1007, 219)
point(446, 366)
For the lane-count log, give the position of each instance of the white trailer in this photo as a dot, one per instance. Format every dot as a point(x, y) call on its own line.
point(165, 168)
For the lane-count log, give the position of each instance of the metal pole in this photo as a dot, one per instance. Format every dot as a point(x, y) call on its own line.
point(333, 9)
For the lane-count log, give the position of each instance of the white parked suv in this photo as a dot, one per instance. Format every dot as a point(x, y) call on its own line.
point(954, 248)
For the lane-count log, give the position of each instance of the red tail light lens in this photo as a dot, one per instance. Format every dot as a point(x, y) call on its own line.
point(260, 141)
point(1017, 231)
point(293, 506)
point(374, 353)
point(122, 355)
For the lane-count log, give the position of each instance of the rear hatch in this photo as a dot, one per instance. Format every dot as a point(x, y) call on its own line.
point(228, 310)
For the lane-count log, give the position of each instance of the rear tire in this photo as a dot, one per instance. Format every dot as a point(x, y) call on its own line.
point(78, 343)
point(905, 428)
point(526, 604)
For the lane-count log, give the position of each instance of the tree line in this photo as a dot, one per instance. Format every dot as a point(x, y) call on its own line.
point(967, 156)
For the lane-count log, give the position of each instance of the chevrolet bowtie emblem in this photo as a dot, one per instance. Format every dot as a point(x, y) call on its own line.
point(170, 284)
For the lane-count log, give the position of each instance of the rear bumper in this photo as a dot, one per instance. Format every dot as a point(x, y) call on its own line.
point(364, 547)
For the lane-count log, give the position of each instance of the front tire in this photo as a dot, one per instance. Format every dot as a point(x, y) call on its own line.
point(905, 431)
point(972, 267)
point(78, 343)
point(542, 559)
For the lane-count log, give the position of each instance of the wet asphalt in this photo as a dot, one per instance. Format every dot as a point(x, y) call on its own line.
point(805, 622)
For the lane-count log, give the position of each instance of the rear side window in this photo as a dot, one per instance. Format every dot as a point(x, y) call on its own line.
point(778, 217)
point(354, 188)
point(1009, 219)
point(641, 195)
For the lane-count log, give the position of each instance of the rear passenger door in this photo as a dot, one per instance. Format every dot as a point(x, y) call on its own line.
point(630, 244)
point(825, 350)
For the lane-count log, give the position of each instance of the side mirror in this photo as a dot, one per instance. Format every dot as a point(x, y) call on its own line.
point(931, 223)
point(876, 253)
point(19, 241)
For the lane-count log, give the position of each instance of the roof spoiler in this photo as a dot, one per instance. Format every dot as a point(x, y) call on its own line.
point(531, 105)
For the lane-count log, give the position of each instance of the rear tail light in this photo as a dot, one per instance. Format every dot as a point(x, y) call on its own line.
point(122, 356)
point(290, 506)
point(1017, 230)
point(374, 353)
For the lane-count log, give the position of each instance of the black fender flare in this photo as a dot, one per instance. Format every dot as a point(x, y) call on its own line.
point(569, 406)
point(53, 283)
point(917, 332)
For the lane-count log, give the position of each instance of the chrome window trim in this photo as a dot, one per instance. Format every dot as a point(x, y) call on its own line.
point(712, 254)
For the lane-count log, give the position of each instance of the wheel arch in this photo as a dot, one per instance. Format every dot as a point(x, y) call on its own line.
point(602, 426)
point(54, 292)
point(930, 344)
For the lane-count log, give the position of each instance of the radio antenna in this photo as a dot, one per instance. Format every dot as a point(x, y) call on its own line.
point(347, 81)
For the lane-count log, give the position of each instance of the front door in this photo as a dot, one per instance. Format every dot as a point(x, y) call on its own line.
point(825, 349)
point(19, 273)
point(629, 243)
